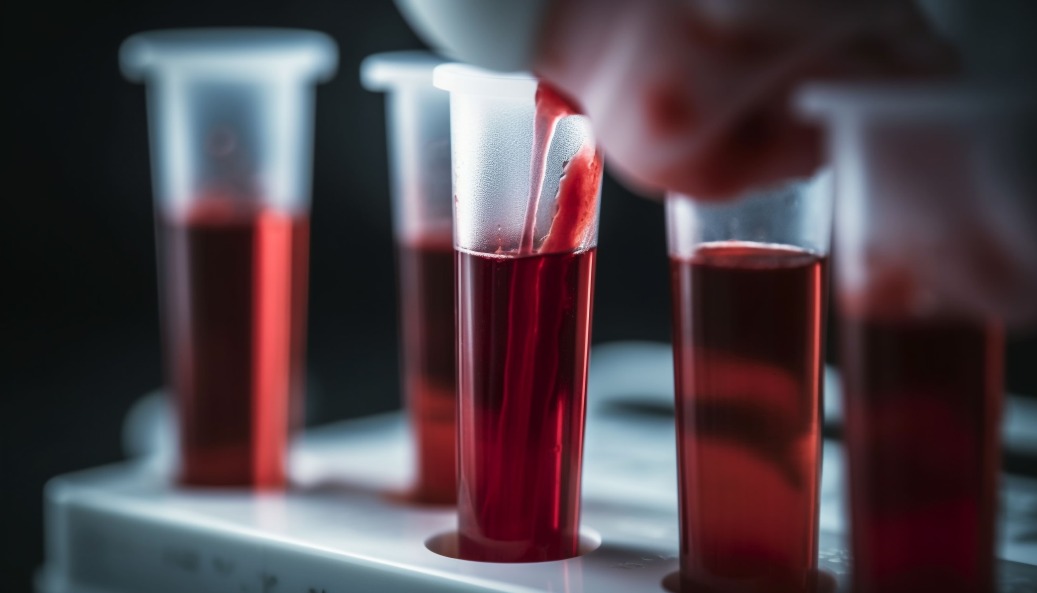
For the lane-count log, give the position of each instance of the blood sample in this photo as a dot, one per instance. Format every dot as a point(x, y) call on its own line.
point(524, 292)
point(234, 289)
point(524, 334)
point(923, 404)
point(748, 342)
point(427, 316)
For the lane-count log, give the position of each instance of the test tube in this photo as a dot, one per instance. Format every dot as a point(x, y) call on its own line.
point(748, 279)
point(527, 180)
point(418, 119)
point(919, 170)
point(231, 121)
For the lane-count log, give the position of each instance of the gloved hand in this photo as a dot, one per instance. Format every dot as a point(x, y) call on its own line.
point(690, 95)
point(693, 96)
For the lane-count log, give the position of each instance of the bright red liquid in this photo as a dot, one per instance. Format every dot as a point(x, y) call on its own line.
point(923, 403)
point(427, 314)
point(523, 338)
point(748, 359)
point(234, 290)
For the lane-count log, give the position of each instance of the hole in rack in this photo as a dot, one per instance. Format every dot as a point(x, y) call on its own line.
point(826, 583)
point(445, 544)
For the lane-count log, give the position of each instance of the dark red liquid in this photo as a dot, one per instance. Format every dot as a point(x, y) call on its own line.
point(234, 282)
point(427, 315)
point(923, 403)
point(300, 283)
point(748, 359)
point(523, 337)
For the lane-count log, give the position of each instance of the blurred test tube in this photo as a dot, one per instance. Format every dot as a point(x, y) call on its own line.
point(934, 251)
point(418, 122)
point(231, 122)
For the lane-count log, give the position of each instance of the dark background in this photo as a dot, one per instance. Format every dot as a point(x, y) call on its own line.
point(80, 324)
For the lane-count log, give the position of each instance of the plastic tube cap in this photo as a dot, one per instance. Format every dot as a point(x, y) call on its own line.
point(911, 102)
point(385, 71)
point(273, 52)
point(470, 80)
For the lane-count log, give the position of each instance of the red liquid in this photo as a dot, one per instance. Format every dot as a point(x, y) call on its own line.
point(748, 352)
point(923, 404)
point(300, 283)
point(234, 312)
point(427, 314)
point(523, 338)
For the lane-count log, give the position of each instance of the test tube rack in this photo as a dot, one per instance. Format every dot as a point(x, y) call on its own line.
point(342, 526)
